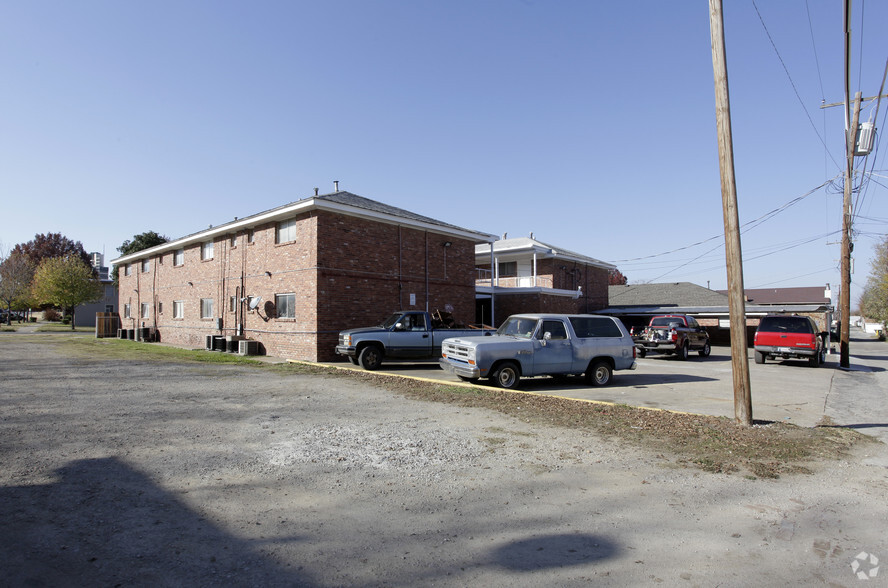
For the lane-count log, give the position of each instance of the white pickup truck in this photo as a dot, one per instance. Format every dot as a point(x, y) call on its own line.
point(543, 344)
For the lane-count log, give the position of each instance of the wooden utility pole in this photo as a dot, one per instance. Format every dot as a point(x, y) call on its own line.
point(733, 254)
point(845, 292)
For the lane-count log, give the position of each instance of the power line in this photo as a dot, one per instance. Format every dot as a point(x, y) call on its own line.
point(792, 83)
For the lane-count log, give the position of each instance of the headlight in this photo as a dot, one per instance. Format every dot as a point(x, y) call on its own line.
point(347, 340)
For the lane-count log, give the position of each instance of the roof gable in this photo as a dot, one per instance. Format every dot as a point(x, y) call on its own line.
point(679, 294)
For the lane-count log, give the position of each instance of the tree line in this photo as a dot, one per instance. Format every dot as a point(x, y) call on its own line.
point(53, 271)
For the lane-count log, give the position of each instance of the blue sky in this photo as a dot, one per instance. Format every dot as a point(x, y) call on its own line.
point(590, 124)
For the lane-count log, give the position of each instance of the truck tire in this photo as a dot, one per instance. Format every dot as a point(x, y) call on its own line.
point(814, 361)
point(759, 357)
point(506, 375)
point(370, 357)
point(599, 373)
point(641, 351)
point(682, 352)
point(706, 350)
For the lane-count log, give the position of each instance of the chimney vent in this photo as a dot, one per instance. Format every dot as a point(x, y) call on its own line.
point(316, 191)
point(336, 185)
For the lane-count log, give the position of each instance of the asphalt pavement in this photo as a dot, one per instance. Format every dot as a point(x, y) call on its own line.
point(787, 391)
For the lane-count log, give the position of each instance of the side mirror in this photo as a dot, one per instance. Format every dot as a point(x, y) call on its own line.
point(547, 335)
point(399, 327)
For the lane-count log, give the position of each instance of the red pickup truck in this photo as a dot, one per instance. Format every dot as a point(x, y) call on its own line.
point(676, 334)
point(789, 337)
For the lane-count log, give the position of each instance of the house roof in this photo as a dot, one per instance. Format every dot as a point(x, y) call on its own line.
point(689, 298)
point(340, 202)
point(668, 294)
point(521, 246)
point(805, 295)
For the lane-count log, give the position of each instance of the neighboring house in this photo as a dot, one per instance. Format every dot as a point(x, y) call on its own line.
point(85, 314)
point(294, 276)
point(526, 275)
point(636, 303)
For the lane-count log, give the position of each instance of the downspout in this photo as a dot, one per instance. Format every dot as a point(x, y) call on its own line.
point(492, 288)
point(427, 271)
point(400, 266)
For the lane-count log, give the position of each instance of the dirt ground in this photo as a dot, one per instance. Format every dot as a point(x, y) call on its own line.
point(142, 473)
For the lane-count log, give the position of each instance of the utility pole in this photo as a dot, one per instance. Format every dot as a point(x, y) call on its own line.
point(733, 254)
point(845, 293)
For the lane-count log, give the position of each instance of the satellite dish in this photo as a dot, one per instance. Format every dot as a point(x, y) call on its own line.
point(255, 302)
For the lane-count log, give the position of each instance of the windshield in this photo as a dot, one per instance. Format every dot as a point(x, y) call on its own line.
point(518, 327)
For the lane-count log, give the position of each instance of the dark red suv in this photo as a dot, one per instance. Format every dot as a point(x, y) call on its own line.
point(781, 336)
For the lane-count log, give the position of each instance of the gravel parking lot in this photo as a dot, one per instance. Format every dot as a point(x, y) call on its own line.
point(174, 474)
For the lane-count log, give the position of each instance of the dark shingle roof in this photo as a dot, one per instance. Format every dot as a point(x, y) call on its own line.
point(684, 294)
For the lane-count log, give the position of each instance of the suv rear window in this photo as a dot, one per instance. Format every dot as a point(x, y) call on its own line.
point(594, 326)
point(785, 324)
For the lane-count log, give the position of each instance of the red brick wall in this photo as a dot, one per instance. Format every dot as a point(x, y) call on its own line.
point(344, 271)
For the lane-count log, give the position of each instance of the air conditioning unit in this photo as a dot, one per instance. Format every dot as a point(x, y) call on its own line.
point(248, 347)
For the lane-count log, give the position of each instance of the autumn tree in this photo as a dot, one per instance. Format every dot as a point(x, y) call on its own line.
point(66, 282)
point(616, 278)
point(139, 242)
point(44, 246)
point(16, 272)
point(874, 300)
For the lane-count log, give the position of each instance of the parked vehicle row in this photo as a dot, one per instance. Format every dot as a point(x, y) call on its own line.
point(527, 345)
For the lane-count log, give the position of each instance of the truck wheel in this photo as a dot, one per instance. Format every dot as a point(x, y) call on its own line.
point(682, 352)
point(507, 375)
point(706, 350)
point(370, 357)
point(759, 357)
point(814, 361)
point(599, 374)
point(641, 352)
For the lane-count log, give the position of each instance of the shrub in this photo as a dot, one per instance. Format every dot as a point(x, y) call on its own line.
point(51, 314)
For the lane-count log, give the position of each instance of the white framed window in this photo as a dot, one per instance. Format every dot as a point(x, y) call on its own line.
point(179, 257)
point(146, 265)
point(285, 305)
point(178, 309)
point(234, 240)
point(160, 308)
point(206, 308)
point(145, 311)
point(128, 270)
point(285, 231)
point(206, 250)
point(127, 311)
point(232, 304)
point(251, 236)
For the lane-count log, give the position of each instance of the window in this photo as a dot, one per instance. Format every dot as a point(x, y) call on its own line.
point(286, 231)
point(146, 265)
point(109, 308)
point(554, 329)
point(508, 269)
point(160, 308)
point(206, 250)
point(206, 308)
point(128, 270)
point(232, 304)
point(234, 240)
point(145, 311)
point(127, 313)
point(595, 326)
point(251, 236)
point(178, 309)
point(285, 305)
point(179, 257)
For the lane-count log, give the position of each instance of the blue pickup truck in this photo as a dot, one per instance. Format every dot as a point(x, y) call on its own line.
point(543, 345)
point(405, 335)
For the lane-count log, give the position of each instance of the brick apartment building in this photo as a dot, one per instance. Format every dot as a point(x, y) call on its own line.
point(319, 265)
point(527, 275)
